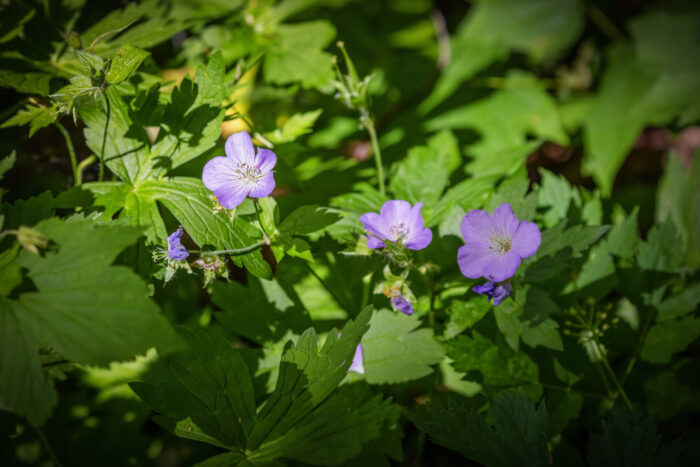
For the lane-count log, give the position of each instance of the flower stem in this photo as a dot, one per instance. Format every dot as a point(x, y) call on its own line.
point(82, 166)
point(104, 137)
point(71, 152)
point(262, 226)
point(233, 251)
point(604, 23)
point(369, 125)
point(45, 442)
point(617, 384)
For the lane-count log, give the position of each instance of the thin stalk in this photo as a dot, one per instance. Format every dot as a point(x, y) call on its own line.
point(82, 166)
point(638, 350)
point(47, 446)
point(71, 152)
point(104, 137)
point(369, 125)
point(604, 23)
point(620, 390)
point(233, 251)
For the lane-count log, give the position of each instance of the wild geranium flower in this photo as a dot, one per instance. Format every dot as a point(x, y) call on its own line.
point(175, 249)
point(400, 303)
point(495, 292)
point(397, 222)
point(495, 245)
point(241, 173)
point(358, 363)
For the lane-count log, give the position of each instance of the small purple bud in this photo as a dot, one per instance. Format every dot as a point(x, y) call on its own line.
point(494, 292)
point(175, 249)
point(358, 363)
point(401, 304)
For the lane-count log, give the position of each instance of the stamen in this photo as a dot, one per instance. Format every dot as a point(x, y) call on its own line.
point(399, 231)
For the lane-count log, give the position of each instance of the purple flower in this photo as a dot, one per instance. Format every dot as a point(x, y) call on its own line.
point(397, 222)
point(495, 244)
point(175, 249)
point(358, 363)
point(400, 303)
point(241, 173)
point(494, 292)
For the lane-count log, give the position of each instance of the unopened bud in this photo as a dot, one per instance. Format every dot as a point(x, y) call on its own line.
point(31, 239)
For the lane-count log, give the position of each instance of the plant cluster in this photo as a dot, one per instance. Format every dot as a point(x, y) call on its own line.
point(200, 265)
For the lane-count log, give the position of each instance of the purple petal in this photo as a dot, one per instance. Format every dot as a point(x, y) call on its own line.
point(527, 239)
point(232, 196)
point(501, 293)
point(396, 212)
point(401, 304)
point(265, 160)
point(263, 186)
point(420, 240)
point(477, 227)
point(484, 289)
point(502, 266)
point(175, 249)
point(358, 364)
point(374, 243)
point(473, 259)
point(218, 173)
point(376, 226)
point(239, 148)
point(505, 221)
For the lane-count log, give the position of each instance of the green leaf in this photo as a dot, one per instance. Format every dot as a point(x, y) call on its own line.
point(556, 195)
point(505, 120)
point(27, 83)
point(670, 337)
point(497, 363)
point(124, 63)
point(517, 437)
point(545, 334)
point(296, 55)
point(623, 238)
point(464, 314)
point(421, 177)
point(297, 125)
point(7, 163)
point(319, 373)
point(660, 252)
point(678, 198)
point(627, 439)
point(542, 28)
point(395, 351)
point(37, 118)
point(78, 299)
point(565, 407)
point(308, 219)
point(262, 311)
point(680, 304)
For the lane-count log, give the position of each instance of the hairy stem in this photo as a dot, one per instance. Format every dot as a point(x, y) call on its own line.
point(104, 138)
point(233, 251)
point(47, 446)
point(71, 152)
point(82, 166)
point(369, 125)
point(615, 381)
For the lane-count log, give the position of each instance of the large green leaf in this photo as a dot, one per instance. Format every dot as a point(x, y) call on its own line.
point(516, 437)
point(83, 308)
point(396, 351)
point(296, 55)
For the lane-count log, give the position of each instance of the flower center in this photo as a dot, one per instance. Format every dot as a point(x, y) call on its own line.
point(500, 244)
point(399, 231)
point(247, 173)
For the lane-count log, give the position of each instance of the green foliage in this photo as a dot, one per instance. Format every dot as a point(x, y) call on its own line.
point(395, 351)
point(516, 436)
point(210, 398)
point(78, 299)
